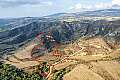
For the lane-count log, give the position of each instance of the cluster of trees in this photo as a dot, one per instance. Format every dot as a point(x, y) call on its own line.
point(42, 69)
point(48, 41)
point(117, 58)
point(53, 37)
point(58, 75)
point(8, 72)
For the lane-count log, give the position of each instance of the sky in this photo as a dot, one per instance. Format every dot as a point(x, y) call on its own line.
point(38, 8)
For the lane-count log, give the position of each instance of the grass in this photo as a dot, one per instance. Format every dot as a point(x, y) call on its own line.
point(59, 74)
point(117, 58)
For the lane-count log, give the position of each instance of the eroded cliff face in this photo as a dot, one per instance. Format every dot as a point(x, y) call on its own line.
point(61, 31)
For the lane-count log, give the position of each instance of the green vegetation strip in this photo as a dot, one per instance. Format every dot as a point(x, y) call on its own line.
point(8, 72)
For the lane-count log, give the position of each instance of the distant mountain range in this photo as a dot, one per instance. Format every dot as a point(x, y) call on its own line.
point(18, 22)
point(97, 13)
point(102, 13)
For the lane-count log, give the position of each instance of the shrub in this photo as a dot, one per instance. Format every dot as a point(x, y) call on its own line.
point(8, 72)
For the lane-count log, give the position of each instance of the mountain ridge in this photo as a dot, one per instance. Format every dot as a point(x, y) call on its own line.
point(22, 30)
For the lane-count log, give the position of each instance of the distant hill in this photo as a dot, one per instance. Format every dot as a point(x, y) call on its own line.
point(97, 13)
point(3, 22)
point(105, 12)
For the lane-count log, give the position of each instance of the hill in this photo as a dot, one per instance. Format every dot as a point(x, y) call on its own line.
point(66, 43)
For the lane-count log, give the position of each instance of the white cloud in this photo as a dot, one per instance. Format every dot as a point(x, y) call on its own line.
point(80, 7)
point(89, 7)
point(83, 7)
point(103, 5)
point(14, 3)
point(115, 2)
point(48, 3)
point(97, 6)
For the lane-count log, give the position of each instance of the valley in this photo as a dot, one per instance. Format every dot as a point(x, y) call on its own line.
point(64, 46)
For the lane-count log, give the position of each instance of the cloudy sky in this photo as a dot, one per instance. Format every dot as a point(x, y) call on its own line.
point(37, 8)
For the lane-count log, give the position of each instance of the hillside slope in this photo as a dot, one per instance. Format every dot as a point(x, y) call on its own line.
point(62, 32)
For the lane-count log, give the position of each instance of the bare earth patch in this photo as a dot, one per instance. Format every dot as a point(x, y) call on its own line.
point(82, 73)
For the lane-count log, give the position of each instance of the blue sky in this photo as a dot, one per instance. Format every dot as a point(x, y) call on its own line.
point(37, 8)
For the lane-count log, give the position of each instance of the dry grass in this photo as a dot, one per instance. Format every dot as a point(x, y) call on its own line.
point(94, 58)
